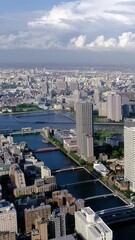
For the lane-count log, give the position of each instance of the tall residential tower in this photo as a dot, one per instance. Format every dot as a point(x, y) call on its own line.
point(84, 130)
point(129, 152)
point(114, 107)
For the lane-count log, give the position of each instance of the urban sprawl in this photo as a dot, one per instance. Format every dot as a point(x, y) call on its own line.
point(100, 102)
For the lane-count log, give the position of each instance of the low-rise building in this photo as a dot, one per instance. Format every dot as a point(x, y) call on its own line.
point(100, 168)
point(70, 144)
point(121, 184)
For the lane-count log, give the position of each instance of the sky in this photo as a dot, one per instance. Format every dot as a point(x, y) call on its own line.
point(68, 31)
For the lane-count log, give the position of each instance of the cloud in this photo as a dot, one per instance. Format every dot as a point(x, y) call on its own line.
point(126, 41)
point(78, 24)
point(29, 40)
point(78, 42)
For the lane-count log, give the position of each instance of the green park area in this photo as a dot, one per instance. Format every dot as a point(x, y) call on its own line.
point(25, 107)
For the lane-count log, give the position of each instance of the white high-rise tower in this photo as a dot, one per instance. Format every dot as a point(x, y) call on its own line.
point(129, 152)
point(114, 107)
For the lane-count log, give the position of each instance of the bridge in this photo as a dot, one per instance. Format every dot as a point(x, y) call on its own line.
point(41, 150)
point(99, 196)
point(22, 132)
point(66, 169)
point(76, 183)
point(118, 214)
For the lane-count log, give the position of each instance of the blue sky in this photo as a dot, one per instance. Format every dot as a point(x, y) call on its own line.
point(87, 28)
point(26, 5)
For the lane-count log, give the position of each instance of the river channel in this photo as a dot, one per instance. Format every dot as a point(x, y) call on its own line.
point(74, 181)
point(56, 160)
point(52, 119)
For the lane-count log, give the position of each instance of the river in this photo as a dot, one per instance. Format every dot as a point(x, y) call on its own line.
point(52, 119)
point(71, 179)
point(56, 160)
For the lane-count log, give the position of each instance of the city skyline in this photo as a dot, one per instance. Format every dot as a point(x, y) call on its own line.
point(88, 31)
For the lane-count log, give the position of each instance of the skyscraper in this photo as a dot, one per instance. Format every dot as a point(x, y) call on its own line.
point(84, 130)
point(129, 152)
point(114, 107)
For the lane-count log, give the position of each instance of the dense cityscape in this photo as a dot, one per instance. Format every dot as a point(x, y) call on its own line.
point(66, 152)
point(67, 120)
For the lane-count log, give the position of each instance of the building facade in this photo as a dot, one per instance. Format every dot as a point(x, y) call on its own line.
point(7, 235)
point(40, 232)
point(8, 217)
point(31, 214)
point(57, 225)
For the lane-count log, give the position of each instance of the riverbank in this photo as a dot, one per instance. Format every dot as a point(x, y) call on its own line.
point(27, 112)
point(89, 168)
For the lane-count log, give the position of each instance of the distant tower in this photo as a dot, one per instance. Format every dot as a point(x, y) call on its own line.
point(44, 88)
point(96, 96)
point(114, 107)
point(74, 86)
point(129, 152)
point(84, 130)
point(76, 95)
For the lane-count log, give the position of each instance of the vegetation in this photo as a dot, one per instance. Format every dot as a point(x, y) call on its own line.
point(25, 107)
point(102, 135)
point(117, 152)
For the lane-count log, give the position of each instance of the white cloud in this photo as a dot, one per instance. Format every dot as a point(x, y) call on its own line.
point(78, 42)
point(74, 24)
point(66, 15)
point(126, 41)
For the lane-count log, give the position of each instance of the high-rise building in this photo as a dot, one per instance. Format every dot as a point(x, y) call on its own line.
point(8, 217)
point(90, 226)
point(114, 111)
point(31, 214)
point(74, 86)
point(96, 96)
point(102, 111)
point(76, 95)
point(61, 86)
point(57, 225)
point(129, 152)
point(84, 130)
